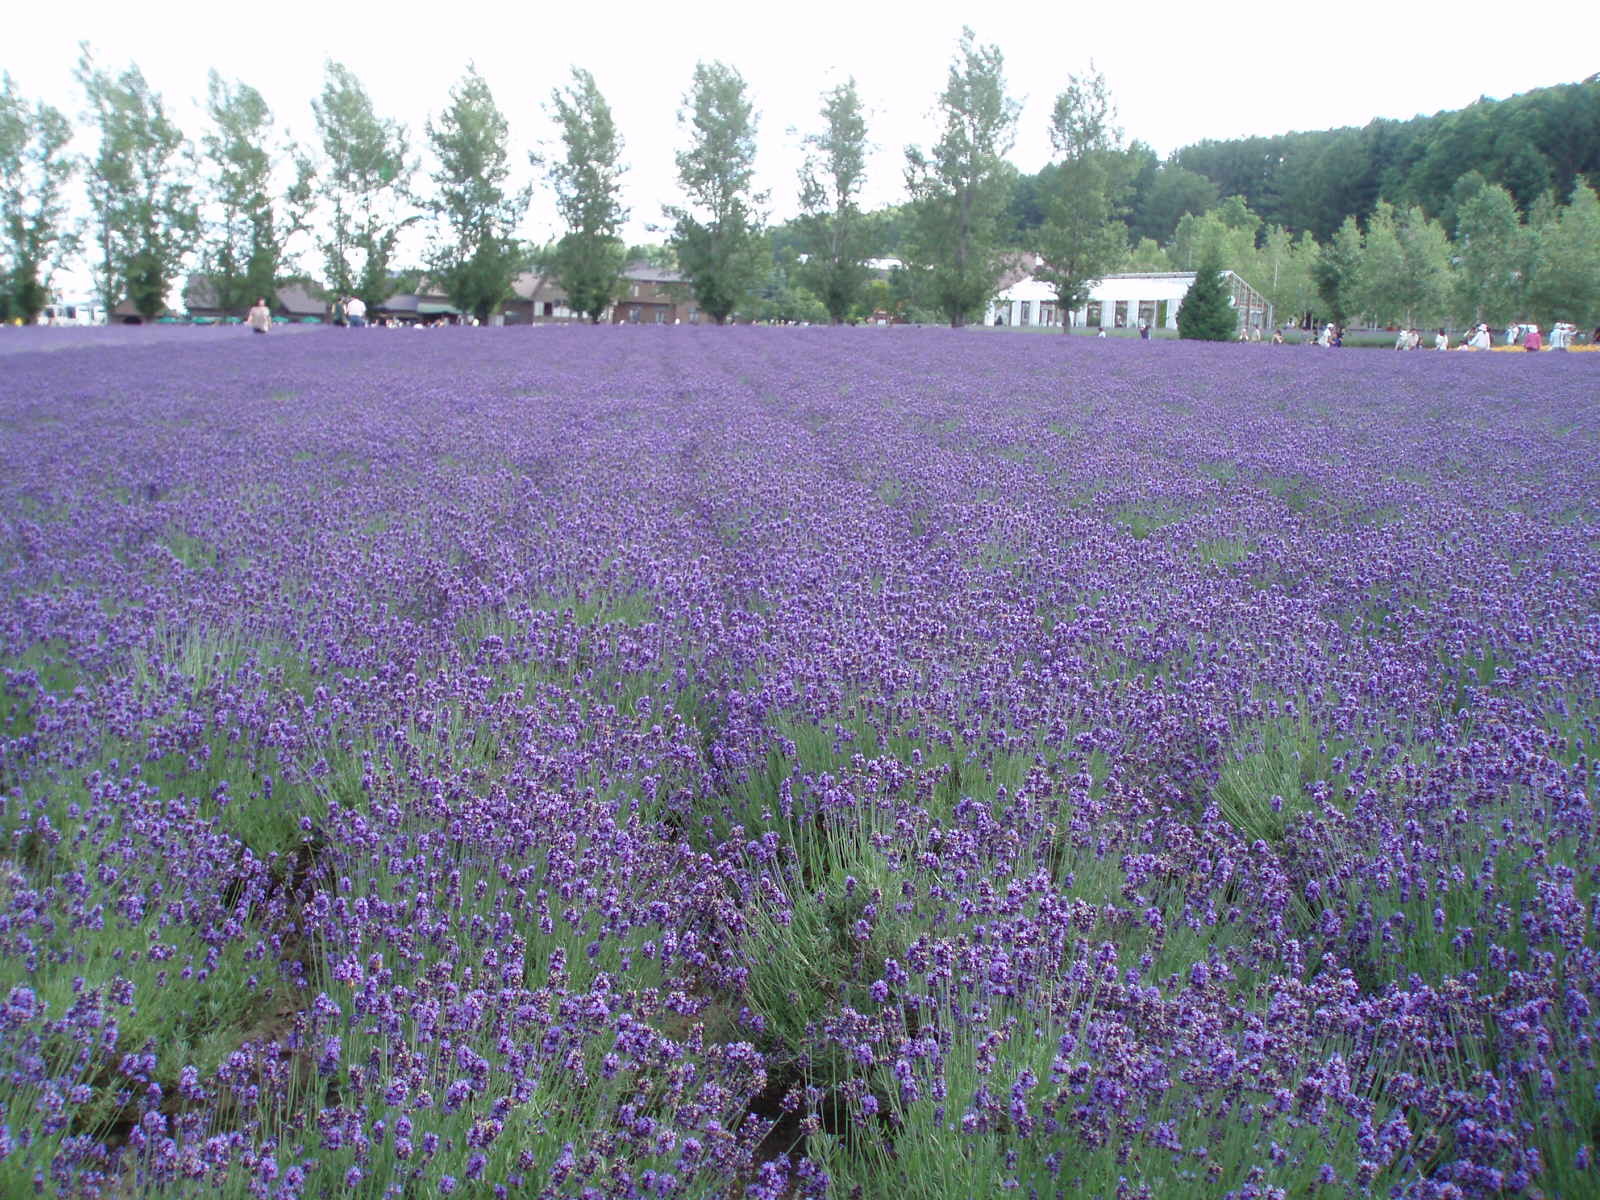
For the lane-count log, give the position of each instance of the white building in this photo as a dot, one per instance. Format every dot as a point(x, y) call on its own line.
point(1122, 301)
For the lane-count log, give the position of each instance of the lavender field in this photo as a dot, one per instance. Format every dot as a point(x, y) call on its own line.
point(795, 763)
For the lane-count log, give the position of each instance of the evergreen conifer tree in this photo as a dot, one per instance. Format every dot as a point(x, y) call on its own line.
point(1205, 314)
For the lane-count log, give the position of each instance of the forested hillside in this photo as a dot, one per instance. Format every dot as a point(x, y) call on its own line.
point(1529, 144)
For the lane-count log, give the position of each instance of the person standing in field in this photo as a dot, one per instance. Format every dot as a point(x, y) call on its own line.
point(260, 318)
point(1532, 342)
point(356, 309)
point(1441, 341)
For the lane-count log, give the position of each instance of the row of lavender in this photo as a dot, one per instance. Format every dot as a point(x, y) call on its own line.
point(795, 763)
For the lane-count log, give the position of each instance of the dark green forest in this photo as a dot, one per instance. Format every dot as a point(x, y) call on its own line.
point(1530, 144)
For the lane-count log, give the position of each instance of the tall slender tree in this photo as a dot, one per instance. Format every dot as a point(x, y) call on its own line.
point(479, 255)
point(1565, 283)
point(833, 231)
point(717, 236)
point(1082, 237)
point(366, 185)
point(959, 189)
point(34, 172)
point(588, 259)
point(1405, 267)
point(244, 247)
point(1337, 272)
point(141, 189)
point(1493, 257)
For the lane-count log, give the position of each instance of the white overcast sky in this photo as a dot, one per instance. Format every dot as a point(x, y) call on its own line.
point(1178, 72)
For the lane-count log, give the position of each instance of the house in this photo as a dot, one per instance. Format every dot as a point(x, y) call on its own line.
point(300, 302)
point(652, 295)
point(537, 299)
point(427, 303)
point(297, 301)
point(1122, 302)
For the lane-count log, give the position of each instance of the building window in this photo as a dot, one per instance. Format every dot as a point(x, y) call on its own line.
point(1047, 313)
point(1147, 312)
point(634, 292)
point(1027, 313)
point(1122, 314)
point(1092, 315)
point(633, 314)
point(661, 316)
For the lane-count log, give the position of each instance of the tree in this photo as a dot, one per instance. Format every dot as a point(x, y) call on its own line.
point(959, 190)
point(1337, 271)
point(1566, 279)
point(34, 172)
point(832, 230)
point(1146, 255)
point(1226, 233)
point(141, 189)
point(1405, 267)
point(1170, 194)
point(1493, 252)
point(589, 258)
point(479, 255)
point(717, 237)
point(243, 251)
point(366, 185)
point(1082, 238)
point(1206, 314)
point(1281, 270)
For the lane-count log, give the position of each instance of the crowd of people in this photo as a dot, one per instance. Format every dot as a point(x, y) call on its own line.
point(1563, 336)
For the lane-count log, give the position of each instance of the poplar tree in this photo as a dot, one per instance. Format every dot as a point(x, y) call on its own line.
point(834, 233)
point(141, 189)
point(717, 236)
point(1492, 253)
point(588, 259)
point(244, 249)
point(365, 185)
point(1565, 284)
point(1083, 237)
point(1405, 267)
point(959, 188)
point(1337, 272)
point(479, 255)
point(34, 172)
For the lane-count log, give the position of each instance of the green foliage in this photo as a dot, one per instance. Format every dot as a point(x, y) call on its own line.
point(959, 190)
point(479, 255)
point(1337, 271)
point(34, 172)
point(1542, 140)
point(832, 231)
point(717, 237)
point(243, 252)
point(1226, 233)
point(141, 186)
point(1493, 249)
point(1405, 268)
point(365, 185)
point(589, 258)
point(1281, 271)
point(1082, 238)
point(1173, 193)
point(1205, 314)
point(1565, 282)
point(1146, 255)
